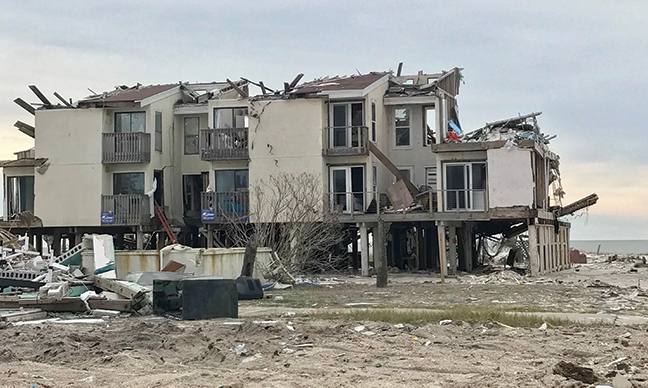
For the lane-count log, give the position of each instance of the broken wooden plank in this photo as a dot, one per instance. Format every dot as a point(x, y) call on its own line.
point(296, 80)
point(25, 128)
point(577, 205)
point(62, 100)
point(25, 105)
point(264, 89)
point(65, 304)
point(22, 315)
point(391, 167)
point(400, 69)
point(286, 87)
point(125, 305)
point(40, 95)
point(240, 91)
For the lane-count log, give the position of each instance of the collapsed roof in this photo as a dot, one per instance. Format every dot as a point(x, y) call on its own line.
point(512, 130)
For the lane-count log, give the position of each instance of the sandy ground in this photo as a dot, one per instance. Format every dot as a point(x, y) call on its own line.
point(287, 347)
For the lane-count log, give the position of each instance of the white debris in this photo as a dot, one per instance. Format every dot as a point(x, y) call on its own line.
point(359, 328)
point(445, 322)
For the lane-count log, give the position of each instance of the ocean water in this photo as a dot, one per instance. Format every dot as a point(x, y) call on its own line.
point(611, 246)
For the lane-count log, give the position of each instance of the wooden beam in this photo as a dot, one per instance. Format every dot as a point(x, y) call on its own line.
point(25, 105)
point(296, 80)
point(391, 167)
point(400, 69)
point(40, 95)
point(286, 87)
point(264, 89)
point(62, 99)
point(240, 91)
point(25, 128)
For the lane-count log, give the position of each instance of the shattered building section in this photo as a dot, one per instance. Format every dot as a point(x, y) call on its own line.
point(178, 163)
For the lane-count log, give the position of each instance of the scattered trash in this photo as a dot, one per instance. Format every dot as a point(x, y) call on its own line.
point(289, 327)
point(445, 322)
point(543, 326)
point(241, 350)
point(359, 328)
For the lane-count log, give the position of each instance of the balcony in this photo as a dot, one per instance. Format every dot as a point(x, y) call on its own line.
point(224, 144)
point(126, 147)
point(125, 209)
point(225, 207)
point(346, 141)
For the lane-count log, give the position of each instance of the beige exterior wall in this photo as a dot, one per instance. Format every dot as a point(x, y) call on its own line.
point(286, 138)
point(69, 192)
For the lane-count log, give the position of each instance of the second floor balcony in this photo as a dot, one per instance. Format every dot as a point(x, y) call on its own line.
point(125, 209)
point(346, 141)
point(224, 144)
point(126, 147)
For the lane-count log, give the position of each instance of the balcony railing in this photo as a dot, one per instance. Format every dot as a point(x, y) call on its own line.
point(125, 209)
point(229, 206)
point(346, 141)
point(465, 200)
point(224, 144)
point(126, 147)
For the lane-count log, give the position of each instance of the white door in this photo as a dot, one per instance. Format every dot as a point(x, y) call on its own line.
point(347, 189)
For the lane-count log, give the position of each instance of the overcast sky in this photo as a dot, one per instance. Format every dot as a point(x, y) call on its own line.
point(582, 63)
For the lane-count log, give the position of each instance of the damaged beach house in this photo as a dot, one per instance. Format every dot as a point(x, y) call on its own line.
point(171, 164)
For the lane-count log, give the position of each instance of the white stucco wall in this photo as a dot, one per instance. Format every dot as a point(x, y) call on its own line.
point(510, 177)
point(69, 192)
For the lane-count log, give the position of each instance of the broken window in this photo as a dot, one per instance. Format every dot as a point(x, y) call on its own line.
point(130, 122)
point(402, 127)
point(128, 183)
point(465, 186)
point(373, 122)
point(429, 130)
point(158, 131)
point(20, 194)
point(230, 118)
point(191, 132)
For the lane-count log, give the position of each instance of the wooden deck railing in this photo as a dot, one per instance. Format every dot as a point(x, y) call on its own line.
point(127, 147)
point(224, 143)
point(229, 206)
point(127, 209)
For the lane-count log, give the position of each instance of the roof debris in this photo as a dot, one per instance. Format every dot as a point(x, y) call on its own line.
point(511, 130)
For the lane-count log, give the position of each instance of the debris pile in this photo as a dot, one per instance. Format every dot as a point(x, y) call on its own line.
point(33, 284)
point(499, 277)
point(511, 130)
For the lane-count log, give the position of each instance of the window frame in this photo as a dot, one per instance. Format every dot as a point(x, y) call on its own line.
point(468, 187)
point(348, 123)
point(185, 136)
point(397, 127)
point(139, 173)
point(117, 114)
point(158, 131)
point(234, 170)
point(409, 168)
point(374, 134)
point(233, 116)
point(349, 195)
point(426, 142)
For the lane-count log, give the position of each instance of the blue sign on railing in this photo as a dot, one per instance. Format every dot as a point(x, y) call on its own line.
point(208, 215)
point(107, 217)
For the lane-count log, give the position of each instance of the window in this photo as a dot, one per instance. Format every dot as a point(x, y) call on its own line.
point(402, 127)
point(20, 194)
point(407, 172)
point(158, 131)
point(347, 188)
point(374, 177)
point(128, 183)
point(465, 186)
point(373, 122)
point(347, 119)
point(130, 122)
point(431, 177)
point(228, 181)
point(429, 130)
point(191, 130)
point(230, 118)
